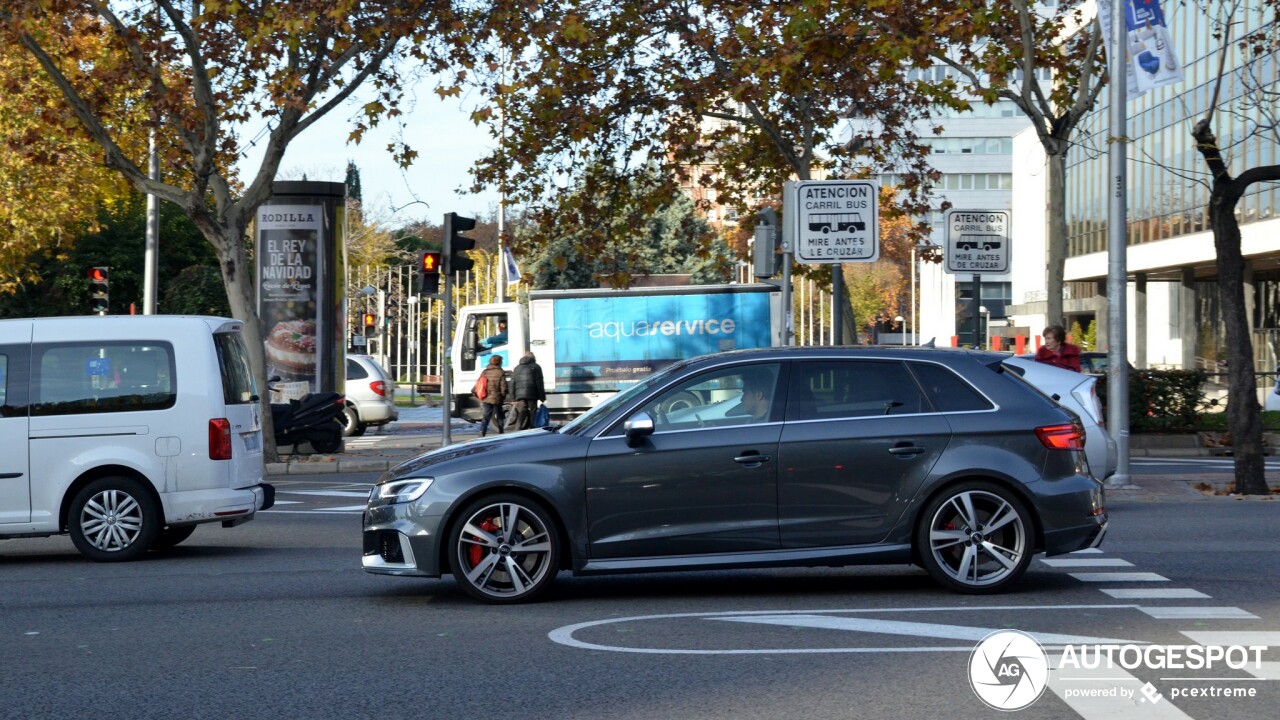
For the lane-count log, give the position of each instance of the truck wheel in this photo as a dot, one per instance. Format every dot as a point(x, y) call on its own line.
point(113, 519)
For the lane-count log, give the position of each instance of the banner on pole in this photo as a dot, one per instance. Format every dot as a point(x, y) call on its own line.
point(1150, 57)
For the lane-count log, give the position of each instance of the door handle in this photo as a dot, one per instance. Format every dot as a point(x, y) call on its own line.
point(905, 451)
point(752, 459)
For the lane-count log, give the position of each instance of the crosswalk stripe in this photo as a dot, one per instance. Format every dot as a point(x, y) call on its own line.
point(1154, 593)
point(1198, 613)
point(1087, 562)
point(1269, 638)
point(1119, 577)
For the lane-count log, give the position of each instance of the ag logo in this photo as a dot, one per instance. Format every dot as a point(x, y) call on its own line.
point(1008, 670)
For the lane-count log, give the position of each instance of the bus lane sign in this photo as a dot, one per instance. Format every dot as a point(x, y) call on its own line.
point(833, 221)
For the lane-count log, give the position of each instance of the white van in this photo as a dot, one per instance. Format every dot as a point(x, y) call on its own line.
point(127, 431)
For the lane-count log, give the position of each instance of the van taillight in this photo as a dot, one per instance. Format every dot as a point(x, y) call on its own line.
point(1062, 437)
point(379, 387)
point(219, 439)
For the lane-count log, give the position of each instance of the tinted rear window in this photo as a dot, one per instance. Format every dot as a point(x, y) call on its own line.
point(238, 386)
point(947, 391)
point(355, 371)
point(74, 378)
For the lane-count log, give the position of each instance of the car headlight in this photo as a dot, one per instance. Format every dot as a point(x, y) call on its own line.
point(401, 491)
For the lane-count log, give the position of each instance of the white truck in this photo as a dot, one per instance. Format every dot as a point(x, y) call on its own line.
point(592, 343)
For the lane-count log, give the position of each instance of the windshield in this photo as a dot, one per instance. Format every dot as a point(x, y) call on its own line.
point(620, 399)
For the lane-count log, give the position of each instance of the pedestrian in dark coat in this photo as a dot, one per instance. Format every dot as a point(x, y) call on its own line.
point(527, 389)
point(495, 395)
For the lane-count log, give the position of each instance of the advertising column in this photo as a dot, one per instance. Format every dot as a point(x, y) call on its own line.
point(300, 252)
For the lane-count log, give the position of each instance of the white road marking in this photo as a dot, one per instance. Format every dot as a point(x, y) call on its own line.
point(565, 635)
point(1067, 685)
point(1086, 551)
point(1087, 562)
point(1119, 577)
point(1154, 593)
point(1198, 613)
point(1234, 637)
point(915, 629)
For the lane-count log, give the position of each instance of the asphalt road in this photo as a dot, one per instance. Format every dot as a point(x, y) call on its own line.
point(276, 619)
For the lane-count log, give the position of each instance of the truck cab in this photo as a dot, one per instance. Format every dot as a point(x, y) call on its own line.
point(483, 331)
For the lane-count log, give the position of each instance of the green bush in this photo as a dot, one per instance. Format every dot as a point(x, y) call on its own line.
point(1163, 400)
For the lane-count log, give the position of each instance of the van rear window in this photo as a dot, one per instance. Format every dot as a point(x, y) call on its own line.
point(75, 378)
point(238, 386)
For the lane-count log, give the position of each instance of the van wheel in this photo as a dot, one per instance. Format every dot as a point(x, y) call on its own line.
point(113, 519)
point(350, 421)
point(173, 536)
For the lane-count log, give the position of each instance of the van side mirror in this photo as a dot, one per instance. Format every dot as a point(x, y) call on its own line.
point(637, 427)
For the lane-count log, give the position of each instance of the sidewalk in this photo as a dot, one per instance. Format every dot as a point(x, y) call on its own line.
point(417, 431)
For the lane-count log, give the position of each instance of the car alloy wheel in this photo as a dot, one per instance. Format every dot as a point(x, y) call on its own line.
point(113, 519)
point(505, 549)
point(975, 538)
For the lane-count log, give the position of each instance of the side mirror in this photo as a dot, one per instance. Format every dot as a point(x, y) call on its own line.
point(637, 427)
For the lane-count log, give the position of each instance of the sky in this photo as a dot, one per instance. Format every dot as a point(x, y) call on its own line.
point(440, 130)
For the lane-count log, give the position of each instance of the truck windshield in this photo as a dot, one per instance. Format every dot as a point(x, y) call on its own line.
point(622, 398)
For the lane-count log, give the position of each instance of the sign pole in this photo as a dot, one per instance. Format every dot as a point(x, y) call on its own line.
point(977, 313)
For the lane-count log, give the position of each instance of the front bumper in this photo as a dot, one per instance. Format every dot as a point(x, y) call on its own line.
point(398, 542)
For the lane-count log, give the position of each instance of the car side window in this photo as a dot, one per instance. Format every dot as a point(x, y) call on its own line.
point(947, 391)
point(725, 397)
point(355, 371)
point(79, 378)
point(834, 389)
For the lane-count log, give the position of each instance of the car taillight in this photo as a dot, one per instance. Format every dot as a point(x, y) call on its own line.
point(379, 387)
point(219, 439)
point(1062, 437)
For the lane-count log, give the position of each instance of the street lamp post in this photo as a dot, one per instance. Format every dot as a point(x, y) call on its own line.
point(902, 328)
point(987, 323)
point(915, 269)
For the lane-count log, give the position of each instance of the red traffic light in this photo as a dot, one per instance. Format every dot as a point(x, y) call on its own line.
point(430, 262)
point(97, 274)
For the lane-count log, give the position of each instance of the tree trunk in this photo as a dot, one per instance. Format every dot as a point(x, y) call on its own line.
point(239, 280)
point(1056, 248)
point(1244, 415)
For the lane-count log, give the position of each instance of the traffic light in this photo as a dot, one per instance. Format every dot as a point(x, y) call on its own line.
point(370, 323)
point(429, 273)
point(455, 244)
point(99, 298)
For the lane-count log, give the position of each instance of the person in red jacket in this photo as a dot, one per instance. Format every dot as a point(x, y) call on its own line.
point(1057, 351)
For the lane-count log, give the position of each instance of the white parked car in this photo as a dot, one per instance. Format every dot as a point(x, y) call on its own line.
point(371, 396)
point(1076, 392)
point(126, 432)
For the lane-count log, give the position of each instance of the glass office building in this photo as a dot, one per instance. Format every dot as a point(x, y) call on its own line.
point(1170, 256)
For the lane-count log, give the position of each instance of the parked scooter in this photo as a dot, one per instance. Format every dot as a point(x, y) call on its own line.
point(314, 419)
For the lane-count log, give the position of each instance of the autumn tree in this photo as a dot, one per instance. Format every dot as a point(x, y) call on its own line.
point(1243, 111)
point(672, 238)
point(53, 180)
point(739, 97)
point(204, 71)
point(1045, 58)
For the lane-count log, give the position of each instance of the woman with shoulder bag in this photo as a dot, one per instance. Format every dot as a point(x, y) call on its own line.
point(495, 393)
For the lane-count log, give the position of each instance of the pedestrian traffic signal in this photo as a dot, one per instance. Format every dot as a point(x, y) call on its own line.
point(370, 323)
point(99, 285)
point(455, 244)
point(429, 273)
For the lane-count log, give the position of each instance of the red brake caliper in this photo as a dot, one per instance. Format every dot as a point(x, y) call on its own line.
point(476, 553)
